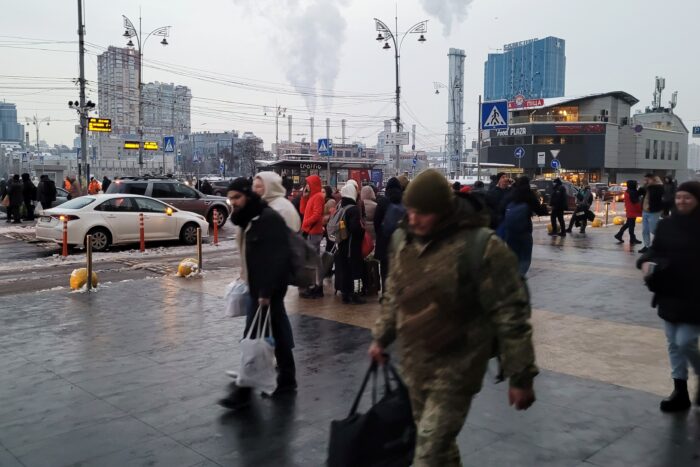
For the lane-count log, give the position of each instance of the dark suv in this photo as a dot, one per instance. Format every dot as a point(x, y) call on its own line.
point(176, 193)
point(545, 189)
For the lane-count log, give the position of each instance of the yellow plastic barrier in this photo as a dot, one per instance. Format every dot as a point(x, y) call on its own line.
point(597, 223)
point(639, 220)
point(618, 220)
point(78, 278)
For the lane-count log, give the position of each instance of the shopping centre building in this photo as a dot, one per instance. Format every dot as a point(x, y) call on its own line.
point(593, 138)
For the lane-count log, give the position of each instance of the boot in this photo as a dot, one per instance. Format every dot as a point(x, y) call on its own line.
point(355, 299)
point(618, 237)
point(679, 400)
point(309, 293)
point(318, 291)
point(237, 400)
point(634, 241)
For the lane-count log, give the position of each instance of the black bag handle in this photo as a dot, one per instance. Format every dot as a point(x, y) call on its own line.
point(390, 373)
point(371, 370)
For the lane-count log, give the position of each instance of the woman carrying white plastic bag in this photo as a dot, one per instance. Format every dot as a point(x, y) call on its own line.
point(257, 369)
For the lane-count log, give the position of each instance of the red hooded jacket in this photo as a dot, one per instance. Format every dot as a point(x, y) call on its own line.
point(313, 209)
point(632, 209)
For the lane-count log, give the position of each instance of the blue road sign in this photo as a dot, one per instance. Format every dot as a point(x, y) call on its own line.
point(325, 147)
point(696, 131)
point(555, 164)
point(494, 115)
point(519, 152)
point(169, 144)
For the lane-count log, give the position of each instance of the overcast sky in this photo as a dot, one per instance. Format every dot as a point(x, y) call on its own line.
point(239, 56)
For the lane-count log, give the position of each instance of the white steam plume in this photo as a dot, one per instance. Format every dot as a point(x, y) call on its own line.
point(447, 11)
point(308, 36)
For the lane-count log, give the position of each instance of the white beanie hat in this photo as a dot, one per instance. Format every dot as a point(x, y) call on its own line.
point(349, 191)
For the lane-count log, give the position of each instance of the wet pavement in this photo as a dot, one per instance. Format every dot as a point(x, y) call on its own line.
point(130, 374)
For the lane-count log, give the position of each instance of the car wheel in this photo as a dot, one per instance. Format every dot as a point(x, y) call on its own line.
point(101, 238)
point(222, 215)
point(188, 234)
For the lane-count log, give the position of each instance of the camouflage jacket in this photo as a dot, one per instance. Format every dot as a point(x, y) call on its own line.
point(447, 310)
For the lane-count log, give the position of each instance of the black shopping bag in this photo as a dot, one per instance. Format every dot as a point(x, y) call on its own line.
point(384, 436)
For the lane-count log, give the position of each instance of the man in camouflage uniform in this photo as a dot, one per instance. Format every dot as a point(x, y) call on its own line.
point(454, 300)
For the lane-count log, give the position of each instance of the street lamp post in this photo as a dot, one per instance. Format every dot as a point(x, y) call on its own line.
point(36, 121)
point(130, 31)
point(418, 28)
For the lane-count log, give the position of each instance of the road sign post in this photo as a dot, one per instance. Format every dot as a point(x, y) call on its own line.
point(325, 148)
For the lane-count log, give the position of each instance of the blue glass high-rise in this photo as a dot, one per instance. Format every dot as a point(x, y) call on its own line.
point(534, 69)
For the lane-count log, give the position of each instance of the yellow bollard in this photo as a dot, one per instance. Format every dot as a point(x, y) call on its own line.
point(78, 278)
point(618, 220)
point(639, 220)
point(597, 223)
point(187, 267)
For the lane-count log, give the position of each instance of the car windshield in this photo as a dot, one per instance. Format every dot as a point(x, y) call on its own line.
point(78, 203)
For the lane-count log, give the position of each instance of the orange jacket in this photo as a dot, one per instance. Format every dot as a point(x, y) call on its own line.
point(94, 187)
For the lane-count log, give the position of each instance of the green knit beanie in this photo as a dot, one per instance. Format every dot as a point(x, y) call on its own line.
point(429, 193)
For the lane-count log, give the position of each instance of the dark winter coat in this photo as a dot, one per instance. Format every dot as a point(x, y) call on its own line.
point(106, 182)
point(676, 251)
point(46, 193)
point(655, 193)
point(268, 255)
point(496, 201)
point(558, 201)
point(352, 247)
point(28, 191)
point(393, 196)
point(15, 192)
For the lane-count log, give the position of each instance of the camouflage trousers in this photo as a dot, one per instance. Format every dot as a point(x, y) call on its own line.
point(439, 415)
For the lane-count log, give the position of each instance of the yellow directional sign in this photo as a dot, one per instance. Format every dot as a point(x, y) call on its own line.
point(100, 124)
point(150, 145)
point(131, 145)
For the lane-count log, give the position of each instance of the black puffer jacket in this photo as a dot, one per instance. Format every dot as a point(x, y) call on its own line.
point(676, 251)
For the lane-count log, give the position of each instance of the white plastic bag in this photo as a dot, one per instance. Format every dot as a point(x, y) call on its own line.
point(258, 356)
point(237, 298)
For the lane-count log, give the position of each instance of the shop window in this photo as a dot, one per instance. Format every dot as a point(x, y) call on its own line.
point(647, 151)
point(544, 139)
point(656, 149)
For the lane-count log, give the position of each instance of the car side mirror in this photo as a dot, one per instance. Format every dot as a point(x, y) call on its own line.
point(169, 211)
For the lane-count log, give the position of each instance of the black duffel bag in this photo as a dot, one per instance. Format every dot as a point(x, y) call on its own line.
point(384, 436)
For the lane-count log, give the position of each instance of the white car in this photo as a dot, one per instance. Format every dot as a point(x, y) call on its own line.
point(114, 219)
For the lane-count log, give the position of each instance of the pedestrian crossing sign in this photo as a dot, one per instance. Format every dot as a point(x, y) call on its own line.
point(494, 115)
point(169, 144)
point(325, 147)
